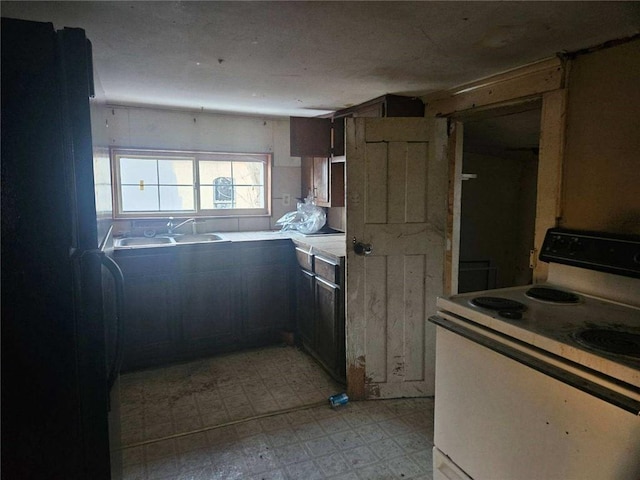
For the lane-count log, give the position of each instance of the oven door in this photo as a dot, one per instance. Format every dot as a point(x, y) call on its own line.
point(497, 417)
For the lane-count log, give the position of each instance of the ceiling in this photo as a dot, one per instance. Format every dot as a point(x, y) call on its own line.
point(311, 58)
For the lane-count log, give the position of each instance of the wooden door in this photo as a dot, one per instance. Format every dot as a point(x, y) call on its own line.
point(396, 202)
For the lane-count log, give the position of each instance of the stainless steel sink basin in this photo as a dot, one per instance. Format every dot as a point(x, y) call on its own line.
point(142, 241)
point(198, 238)
point(167, 240)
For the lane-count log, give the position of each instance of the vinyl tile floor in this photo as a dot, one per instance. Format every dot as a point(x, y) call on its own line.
point(264, 414)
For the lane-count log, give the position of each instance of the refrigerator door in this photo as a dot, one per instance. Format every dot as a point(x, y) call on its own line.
point(54, 392)
point(76, 72)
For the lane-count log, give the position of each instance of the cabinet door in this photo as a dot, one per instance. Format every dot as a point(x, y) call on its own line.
point(309, 136)
point(306, 177)
point(207, 301)
point(327, 314)
point(149, 335)
point(337, 137)
point(305, 307)
point(321, 181)
point(266, 302)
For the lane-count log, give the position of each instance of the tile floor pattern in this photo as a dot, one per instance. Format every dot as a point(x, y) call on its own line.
point(384, 439)
point(185, 397)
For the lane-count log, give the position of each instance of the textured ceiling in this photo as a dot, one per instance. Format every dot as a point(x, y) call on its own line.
point(309, 58)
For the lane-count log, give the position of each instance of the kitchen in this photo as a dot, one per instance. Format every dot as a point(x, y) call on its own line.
point(604, 198)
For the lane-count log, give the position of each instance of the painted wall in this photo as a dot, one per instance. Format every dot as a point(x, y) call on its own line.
point(601, 177)
point(497, 214)
point(169, 129)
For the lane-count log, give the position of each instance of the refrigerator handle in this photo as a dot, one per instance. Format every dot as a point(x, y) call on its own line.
point(118, 279)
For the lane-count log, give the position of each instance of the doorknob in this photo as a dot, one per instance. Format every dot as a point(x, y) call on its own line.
point(361, 248)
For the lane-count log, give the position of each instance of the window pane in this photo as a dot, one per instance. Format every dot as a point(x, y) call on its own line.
point(225, 181)
point(209, 171)
point(173, 198)
point(248, 173)
point(175, 172)
point(134, 170)
point(136, 200)
point(206, 197)
point(249, 197)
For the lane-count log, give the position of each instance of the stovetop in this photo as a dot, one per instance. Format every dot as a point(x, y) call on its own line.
point(598, 277)
point(557, 327)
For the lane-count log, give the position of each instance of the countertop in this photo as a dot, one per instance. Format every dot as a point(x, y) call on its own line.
point(332, 245)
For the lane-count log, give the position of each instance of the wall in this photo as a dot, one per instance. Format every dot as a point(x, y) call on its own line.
point(170, 129)
point(601, 177)
point(497, 213)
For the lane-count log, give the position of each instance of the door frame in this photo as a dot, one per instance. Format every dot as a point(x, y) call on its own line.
point(541, 81)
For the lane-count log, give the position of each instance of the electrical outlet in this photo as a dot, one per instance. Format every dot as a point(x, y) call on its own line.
point(286, 199)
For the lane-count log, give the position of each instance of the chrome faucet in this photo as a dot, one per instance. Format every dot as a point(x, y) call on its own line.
point(171, 226)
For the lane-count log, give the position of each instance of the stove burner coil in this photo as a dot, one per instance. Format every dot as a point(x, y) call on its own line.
point(610, 341)
point(552, 295)
point(498, 303)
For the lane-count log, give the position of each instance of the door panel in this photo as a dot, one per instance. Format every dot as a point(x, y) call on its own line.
point(396, 184)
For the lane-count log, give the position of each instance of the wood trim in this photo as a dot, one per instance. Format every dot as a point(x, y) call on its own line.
point(452, 253)
point(354, 321)
point(549, 188)
point(527, 81)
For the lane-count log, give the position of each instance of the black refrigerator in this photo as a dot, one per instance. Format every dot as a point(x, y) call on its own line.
point(61, 291)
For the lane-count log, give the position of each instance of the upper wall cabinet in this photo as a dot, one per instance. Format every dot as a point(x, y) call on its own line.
point(385, 106)
point(315, 137)
point(310, 136)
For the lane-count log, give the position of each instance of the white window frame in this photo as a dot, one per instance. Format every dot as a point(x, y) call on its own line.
point(197, 156)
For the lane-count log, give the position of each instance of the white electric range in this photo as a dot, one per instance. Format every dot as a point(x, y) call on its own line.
point(543, 381)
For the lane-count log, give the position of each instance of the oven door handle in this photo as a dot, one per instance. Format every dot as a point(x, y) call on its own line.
point(599, 391)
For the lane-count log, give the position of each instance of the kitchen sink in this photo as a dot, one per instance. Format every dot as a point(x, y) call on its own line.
point(198, 238)
point(142, 241)
point(167, 240)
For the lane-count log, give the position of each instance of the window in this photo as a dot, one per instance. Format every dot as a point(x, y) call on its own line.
point(159, 183)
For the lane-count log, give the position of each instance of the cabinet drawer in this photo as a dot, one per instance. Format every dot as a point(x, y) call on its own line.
point(327, 269)
point(305, 259)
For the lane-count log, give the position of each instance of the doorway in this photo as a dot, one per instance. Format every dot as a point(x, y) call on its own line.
point(498, 200)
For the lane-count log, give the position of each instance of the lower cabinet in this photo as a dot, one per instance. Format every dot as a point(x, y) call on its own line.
point(305, 306)
point(150, 331)
point(266, 310)
point(327, 317)
point(320, 314)
point(208, 314)
point(185, 302)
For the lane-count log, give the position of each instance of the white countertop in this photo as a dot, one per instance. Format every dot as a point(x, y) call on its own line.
point(330, 244)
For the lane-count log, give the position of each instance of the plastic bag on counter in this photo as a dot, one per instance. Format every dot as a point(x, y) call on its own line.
point(308, 218)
